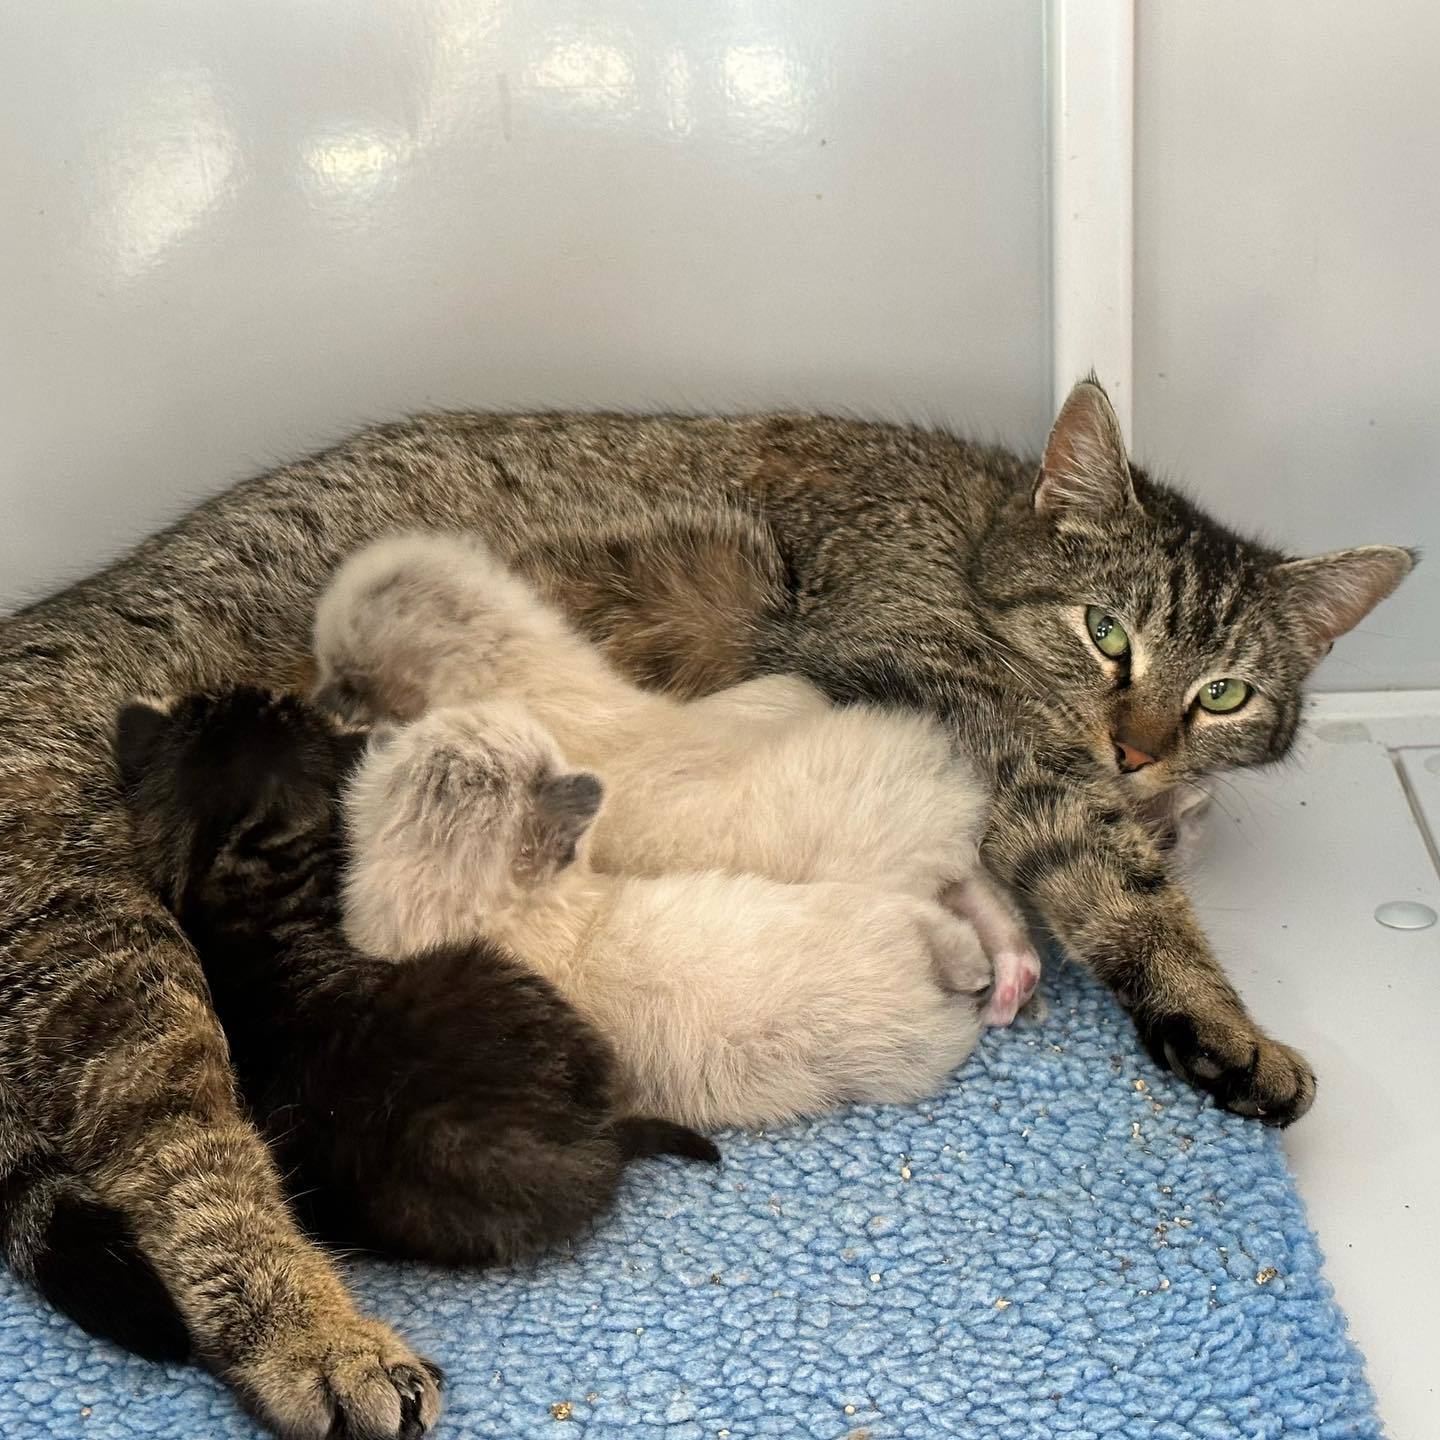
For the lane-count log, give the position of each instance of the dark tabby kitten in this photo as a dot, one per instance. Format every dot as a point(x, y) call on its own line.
point(450, 1106)
point(881, 561)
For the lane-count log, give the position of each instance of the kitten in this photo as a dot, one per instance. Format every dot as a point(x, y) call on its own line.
point(452, 1109)
point(766, 778)
point(731, 999)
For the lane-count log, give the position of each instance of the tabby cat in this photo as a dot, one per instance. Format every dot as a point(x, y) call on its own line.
point(1093, 637)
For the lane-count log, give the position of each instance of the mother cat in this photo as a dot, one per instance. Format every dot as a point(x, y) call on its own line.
point(1093, 638)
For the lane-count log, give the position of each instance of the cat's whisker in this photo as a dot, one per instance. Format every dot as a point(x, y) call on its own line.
point(1221, 805)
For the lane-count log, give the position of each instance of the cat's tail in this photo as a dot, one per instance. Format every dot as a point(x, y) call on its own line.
point(640, 1136)
point(82, 1257)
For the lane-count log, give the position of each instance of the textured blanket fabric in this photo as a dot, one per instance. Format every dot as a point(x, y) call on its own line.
point(1067, 1244)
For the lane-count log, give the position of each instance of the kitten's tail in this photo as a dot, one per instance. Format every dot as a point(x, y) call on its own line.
point(82, 1256)
point(640, 1136)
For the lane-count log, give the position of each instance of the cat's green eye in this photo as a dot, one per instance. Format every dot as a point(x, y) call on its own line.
point(1220, 697)
point(1107, 633)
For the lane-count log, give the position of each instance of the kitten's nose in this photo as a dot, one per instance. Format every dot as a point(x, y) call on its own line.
point(1129, 757)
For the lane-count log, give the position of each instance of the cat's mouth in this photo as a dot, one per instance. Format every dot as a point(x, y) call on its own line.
point(1153, 779)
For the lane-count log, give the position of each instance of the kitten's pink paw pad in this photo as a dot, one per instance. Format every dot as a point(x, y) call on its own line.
point(1016, 977)
point(1004, 1005)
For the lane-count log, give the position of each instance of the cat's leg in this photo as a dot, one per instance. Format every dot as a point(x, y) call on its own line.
point(80, 1254)
point(1006, 938)
point(1102, 886)
point(127, 1078)
point(505, 1197)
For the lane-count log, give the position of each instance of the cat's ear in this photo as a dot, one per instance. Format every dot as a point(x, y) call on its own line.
point(565, 808)
point(1330, 594)
point(140, 731)
point(1084, 468)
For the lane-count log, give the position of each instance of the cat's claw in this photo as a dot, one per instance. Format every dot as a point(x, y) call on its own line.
point(357, 1380)
point(1016, 975)
point(1247, 1072)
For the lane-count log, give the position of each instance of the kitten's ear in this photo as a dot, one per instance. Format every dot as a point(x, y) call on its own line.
point(140, 731)
point(565, 808)
point(1084, 468)
point(1330, 594)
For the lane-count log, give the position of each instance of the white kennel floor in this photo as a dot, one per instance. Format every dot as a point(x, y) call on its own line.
point(1288, 880)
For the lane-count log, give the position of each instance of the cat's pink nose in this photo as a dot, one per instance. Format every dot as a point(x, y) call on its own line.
point(1129, 757)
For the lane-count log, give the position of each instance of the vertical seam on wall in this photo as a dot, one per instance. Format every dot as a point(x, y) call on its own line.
point(1090, 161)
point(1047, 210)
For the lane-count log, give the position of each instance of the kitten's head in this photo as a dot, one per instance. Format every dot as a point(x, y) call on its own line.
point(415, 621)
point(482, 794)
point(1176, 647)
point(231, 787)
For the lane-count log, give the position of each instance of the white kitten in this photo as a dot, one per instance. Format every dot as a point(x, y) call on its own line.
point(731, 999)
point(766, 778)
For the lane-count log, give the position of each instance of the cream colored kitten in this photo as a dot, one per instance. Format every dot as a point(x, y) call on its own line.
point(731, 999)
point(767, 778)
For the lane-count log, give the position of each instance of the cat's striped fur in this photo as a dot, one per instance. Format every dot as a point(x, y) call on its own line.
point(880, 561)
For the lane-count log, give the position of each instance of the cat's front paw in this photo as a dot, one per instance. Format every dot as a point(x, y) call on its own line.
point(354, 1378)
point(1242, 1067)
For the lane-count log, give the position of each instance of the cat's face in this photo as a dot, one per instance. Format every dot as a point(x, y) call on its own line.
point(1172, 647)
point(483, 791)
point(231, 781)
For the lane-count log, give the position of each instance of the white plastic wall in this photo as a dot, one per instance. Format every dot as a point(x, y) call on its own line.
point(1287, 302)
point(233, 232)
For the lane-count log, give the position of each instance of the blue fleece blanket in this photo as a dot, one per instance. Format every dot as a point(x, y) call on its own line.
point(1068, 1244)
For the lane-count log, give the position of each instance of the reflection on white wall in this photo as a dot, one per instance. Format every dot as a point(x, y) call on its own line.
point(589, 71)
point(675, 84)
point(356, 164)
point(169, 161)
point(766, 80)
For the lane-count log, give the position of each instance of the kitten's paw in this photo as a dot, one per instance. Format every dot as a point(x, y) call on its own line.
point(1242, 1067)
point(959, 960)
point(355, 1379)
point(1017, 972)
